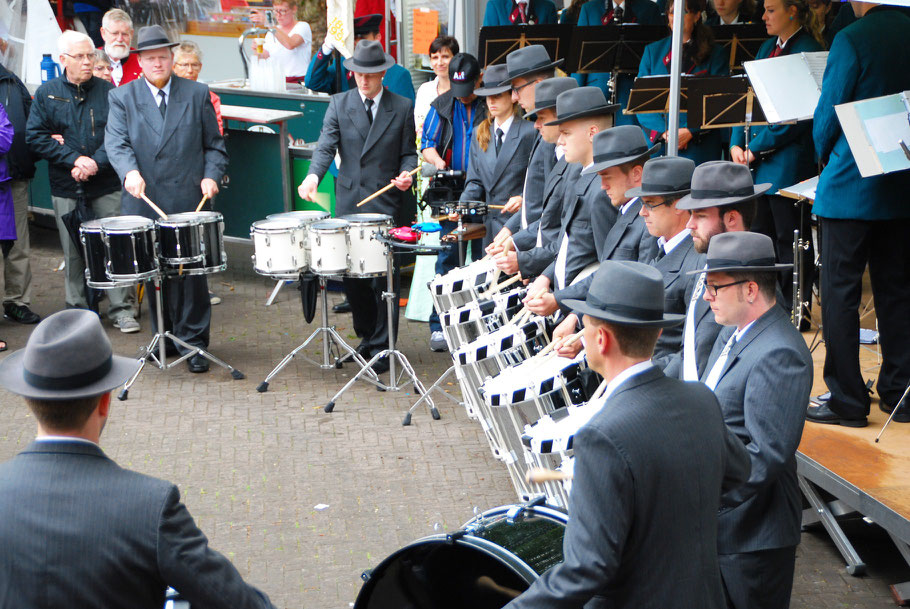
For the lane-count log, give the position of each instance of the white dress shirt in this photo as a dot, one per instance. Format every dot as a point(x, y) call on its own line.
point(363, 100)
point(669, 246)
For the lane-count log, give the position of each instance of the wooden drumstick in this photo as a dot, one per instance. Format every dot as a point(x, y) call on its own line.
point(202, 202)
point(496, 206)
point(501, 286)
point(560, 343)
point(540, 475)
point(505, 243)
point(157, 209)
point(385, 189)
point(525, 313)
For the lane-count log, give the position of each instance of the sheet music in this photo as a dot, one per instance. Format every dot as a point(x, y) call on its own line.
point(803, 190)
point(788, 87)
point(816, 62)
point(874, 129)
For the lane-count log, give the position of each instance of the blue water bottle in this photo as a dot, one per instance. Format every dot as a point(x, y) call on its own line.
point(49, 68)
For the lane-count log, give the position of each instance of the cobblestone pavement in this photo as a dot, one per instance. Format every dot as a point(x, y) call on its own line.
point(252, 467)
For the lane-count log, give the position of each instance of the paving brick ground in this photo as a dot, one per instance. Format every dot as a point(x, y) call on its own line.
point(252, 466)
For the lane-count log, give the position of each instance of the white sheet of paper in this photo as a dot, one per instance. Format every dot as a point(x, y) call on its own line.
point(787, 87)
point(885, 131)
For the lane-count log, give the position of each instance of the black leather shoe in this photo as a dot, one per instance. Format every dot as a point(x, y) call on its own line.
point(197, 364)
point(342, 307)
point(381, 365)
point(902, 415)
point(824, 414)
point(20, 314)
point(364, 351)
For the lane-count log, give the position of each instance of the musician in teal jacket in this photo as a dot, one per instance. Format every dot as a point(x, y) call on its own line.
point(595, 12)
point(862, 221)
point(783, 155)
point(701, 57)
point(511, 12)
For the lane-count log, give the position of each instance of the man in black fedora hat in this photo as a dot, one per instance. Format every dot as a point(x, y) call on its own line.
point(587, 215)
point(372, 130)
point(78, 530)
point(761, 371)
point(163, 140)
point(650, 466)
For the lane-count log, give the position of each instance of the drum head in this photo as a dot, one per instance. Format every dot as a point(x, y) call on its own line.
point(302, 216)
point(274, 224)
point(181, 219)
point(92, 226)
point(126, 223)
point(367, 218)
point(330, 225)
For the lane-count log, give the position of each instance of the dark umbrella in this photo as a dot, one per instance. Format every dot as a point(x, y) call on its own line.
point(72, 220)
point(309, 287)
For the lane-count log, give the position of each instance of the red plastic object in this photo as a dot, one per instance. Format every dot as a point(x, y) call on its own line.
point(405, 234)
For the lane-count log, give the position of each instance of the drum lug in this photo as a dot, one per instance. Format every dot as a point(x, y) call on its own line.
point(452, 538)
point(366, 575)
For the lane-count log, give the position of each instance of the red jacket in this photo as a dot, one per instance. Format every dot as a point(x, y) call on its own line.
point(131, 69)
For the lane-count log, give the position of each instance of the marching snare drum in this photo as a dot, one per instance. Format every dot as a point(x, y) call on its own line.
point(538, 378)
point(555, 432)
point(95, 260)
point(327, 242)
point(210, 227)
point(129, 246)
point(367, 256)
point(179, 239)
point(303, 216)
point(468, 322)
point(280, 247)
point(491, 560)
point(461, 285)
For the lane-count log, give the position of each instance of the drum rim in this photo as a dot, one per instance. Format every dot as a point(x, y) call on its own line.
point(141, 221)
point(324, 215)
point(532, 391)
point(362, 218)
point(260, 224)
point(337, 226)
point(134, 277)
point(184, 218)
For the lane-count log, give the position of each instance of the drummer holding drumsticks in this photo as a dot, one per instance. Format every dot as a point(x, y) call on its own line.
point(372, 130)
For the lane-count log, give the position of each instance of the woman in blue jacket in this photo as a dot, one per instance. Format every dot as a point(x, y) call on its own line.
point(701, 57)
point(782, 155)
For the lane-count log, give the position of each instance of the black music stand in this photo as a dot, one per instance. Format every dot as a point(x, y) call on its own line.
point(498, 41)
point(651, 95)
point(715, 102)
point(741, 41)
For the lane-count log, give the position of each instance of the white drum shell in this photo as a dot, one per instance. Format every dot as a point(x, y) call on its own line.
point(280, 247)
point(328, 248)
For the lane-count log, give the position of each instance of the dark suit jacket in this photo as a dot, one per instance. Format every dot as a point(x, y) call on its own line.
point(628, 239)
point(650, 467)
point(678, 285)
point(763, 392)
point(80, 531)
point(706, 331)
point(532, 260)
point(371, 155)
point(173, 154)
point(541, 163)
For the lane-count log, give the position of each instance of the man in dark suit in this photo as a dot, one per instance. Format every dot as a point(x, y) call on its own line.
point(862, 221)
point(162, 138)
point(649, 470)
point(723, 201)
point(372, 130)
point(79, 530)
point(761, 371)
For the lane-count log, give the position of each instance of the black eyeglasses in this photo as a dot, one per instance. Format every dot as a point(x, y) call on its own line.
point(527, 84)
point(81, 57)
point(712, 289)
point(655, 206)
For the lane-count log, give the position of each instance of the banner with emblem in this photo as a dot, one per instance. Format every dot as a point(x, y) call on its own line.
point(340, 25)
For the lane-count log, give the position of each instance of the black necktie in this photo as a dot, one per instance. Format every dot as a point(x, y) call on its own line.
point(661, 252)
point(369, 106)
point(617, 14)
point(499, 135)
point(162, 107)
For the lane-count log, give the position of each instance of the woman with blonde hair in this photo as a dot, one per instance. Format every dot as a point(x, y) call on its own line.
point(500, 150)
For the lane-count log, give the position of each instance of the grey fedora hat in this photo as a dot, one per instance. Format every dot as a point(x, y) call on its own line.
point(718, 183)
point(528, 60)
point(741, 251)
point(68, 356)
point(667, 176)
point(627, 293)
point(492, 77)
point(369, 58)
point(618, 145)
point(546, 92)
point(581, 102)
point(152, 37)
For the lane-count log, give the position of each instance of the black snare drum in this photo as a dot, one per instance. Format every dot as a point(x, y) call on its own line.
point(180, 240)
point(209, 226)
point(129, 244)
point(95, 260)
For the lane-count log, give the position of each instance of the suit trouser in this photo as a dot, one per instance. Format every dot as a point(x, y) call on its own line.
point(778, 219)
point(121, 299)
point(17, 272)
point(187, 309)
point(758, 580)
point(368, 309)
point(846, 247)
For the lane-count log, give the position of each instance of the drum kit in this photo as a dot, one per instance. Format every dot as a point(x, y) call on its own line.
point(291, 245)
point(122, 251)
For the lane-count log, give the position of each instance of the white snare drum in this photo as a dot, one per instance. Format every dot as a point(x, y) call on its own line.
point(555, 432)
point(533, 379)
point(466, 323)
point(327, 242)
point(461, 285)
point(304, 217)
point(280, 248)
point(501, 341)
point(367, 257)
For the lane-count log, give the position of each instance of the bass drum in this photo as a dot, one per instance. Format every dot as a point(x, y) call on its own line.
point(491, 560)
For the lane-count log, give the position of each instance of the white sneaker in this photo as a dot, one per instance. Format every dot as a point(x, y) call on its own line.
point(214, 298)
point(438, 342)
point(127, 324)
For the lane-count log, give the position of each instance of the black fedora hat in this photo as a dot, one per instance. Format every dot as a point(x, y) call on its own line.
point(581, 102)
point(546, 92)
point(528, 60)
point(718, 183)
point(492, 77)
point(368, 58)
point(741, 251)
point(152, 37)
point(68, 356)
point(463, 72)
point(627, 293)
point(666, 176)
point(618, 145)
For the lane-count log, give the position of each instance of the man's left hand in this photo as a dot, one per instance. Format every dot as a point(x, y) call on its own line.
point(507, 262)
point(79, 175)
point(209, 187)
point(87, 165)
point(403, 181)
point(543, 305)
